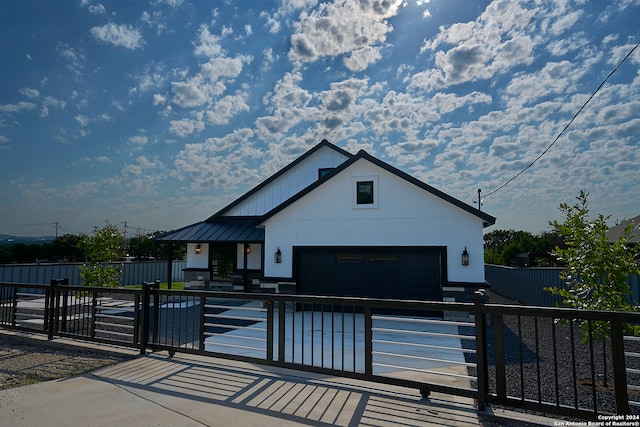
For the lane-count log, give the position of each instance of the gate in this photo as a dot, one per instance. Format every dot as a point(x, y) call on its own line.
point(532, 358)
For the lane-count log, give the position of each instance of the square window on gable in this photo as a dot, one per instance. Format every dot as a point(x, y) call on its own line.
point(365, 192)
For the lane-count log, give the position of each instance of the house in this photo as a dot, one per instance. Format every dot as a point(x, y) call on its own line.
point(334, 223)
point(617, 231)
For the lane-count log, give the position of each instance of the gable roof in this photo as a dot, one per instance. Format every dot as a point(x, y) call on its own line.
point(487, 219)
point(617, 231)
point(322, 144)
point(247, 228)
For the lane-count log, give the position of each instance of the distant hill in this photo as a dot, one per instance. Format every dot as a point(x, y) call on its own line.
point(8, 240)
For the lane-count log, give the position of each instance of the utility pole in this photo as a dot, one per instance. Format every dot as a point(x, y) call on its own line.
point(57, 224)
point(479, 199)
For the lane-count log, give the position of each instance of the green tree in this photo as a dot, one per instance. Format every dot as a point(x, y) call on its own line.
point(67, 247)
point(101, 250)
point(142, 247)
point(596, 270)
point(502, 247)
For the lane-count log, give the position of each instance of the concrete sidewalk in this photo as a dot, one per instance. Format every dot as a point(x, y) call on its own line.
point(190, 390)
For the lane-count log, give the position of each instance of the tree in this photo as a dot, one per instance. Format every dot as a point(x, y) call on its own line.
point(502, 247)
point(101, 250)
point(596, 270)
point(67, 247)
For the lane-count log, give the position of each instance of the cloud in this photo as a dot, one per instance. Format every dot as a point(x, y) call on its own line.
point(153, 77)
point(502, 37)
point(343, 27)
point(288, 106)
point(226, 108)
point(29, 92)
point(189, 94)
point(51, 102)
point(118, 35)
point(96, 9)
point(17, 108)
point(172, 3)
point(138, 140)
point(220, 163)
point(211, 80)
point(185, 127)
point(207, 43)
point(360, 59)
point(83, 120)
point(73, 57)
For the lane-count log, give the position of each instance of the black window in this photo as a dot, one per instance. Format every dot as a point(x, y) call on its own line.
point(365, 192)
point(324, 171)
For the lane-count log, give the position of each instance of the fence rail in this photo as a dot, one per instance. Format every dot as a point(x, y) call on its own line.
point(526, 357)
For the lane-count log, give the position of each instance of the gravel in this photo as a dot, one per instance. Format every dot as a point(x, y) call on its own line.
point(555, 364)
point(25, 360)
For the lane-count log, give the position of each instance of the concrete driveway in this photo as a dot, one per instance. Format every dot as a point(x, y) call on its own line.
point(189, 390)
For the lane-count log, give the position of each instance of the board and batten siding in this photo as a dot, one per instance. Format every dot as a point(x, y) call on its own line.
point(287, 185)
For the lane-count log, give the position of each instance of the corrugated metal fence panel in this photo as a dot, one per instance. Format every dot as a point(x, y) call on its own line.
point(133, 273)
point(526, 285)
point(39, 274)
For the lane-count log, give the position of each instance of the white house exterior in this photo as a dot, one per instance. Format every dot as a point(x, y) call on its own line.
point(333, 223)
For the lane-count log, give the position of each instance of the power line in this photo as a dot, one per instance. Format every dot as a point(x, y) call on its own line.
point(567, 126)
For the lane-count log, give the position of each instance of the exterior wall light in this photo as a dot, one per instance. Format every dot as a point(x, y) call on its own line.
point(247, 248)
point(277, 256)
point(465, 257)
point(198, 249)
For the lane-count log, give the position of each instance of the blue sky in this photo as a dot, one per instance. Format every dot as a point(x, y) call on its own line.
point(159, 113)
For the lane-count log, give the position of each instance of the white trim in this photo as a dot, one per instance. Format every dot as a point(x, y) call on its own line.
point(376, 192)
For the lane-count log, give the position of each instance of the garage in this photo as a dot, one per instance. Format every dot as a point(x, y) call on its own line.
point(376, 272)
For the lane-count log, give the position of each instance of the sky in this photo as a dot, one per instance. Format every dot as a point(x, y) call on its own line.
point(156, 114)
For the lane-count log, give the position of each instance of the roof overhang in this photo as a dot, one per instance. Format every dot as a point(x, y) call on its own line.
point(221, 229)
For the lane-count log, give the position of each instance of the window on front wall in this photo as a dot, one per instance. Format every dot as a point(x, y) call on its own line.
point(364, 194)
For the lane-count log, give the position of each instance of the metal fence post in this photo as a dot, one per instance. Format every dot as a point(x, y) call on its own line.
point(144, 317)
point(269, 306)
point(49, 308)
point(203, 302)
point(481, 348)
point(281, 329)
point(619, 366)
point(155, 290)
point(65, 303)
point(14, 311)
point(368, 341)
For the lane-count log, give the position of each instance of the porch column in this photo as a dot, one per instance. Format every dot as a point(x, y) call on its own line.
point(245, 277)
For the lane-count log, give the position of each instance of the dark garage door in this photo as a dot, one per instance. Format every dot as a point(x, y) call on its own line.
point(371, 272)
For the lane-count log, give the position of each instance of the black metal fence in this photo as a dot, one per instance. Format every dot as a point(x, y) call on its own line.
point(542, 359)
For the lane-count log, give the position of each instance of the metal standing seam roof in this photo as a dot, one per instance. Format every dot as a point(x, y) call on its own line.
point(221, 229)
